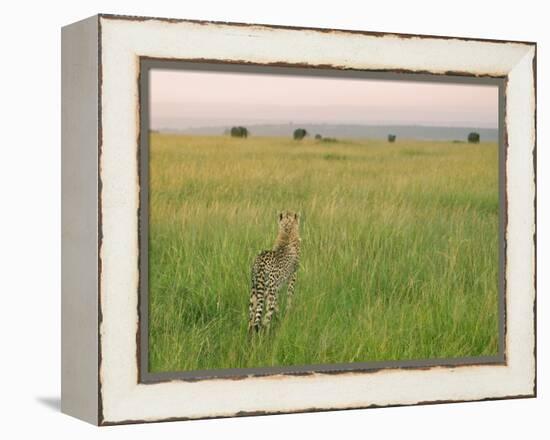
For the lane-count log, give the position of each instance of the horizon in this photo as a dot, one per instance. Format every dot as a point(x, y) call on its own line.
point(343, 131)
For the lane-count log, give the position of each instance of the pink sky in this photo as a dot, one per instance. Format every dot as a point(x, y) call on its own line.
point(183, 99)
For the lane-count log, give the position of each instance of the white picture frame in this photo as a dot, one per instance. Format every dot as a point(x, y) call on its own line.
point(101, 59)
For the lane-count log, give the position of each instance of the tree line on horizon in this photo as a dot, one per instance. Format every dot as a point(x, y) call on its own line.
point(301, 133)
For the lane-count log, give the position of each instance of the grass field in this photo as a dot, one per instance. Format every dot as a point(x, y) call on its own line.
point(399, 250)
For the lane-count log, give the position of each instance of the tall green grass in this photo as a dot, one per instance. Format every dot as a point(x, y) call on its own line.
point(399, 250)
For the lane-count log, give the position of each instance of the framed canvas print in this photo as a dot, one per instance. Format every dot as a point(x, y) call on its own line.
point(265, 219)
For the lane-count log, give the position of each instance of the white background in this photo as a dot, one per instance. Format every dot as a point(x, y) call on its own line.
point(30, 217)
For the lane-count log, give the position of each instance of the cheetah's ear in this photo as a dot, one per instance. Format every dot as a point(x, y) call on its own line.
point(280, 216)
point(296, 216)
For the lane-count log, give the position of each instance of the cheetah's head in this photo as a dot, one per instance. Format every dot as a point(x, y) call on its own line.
point(289, 221)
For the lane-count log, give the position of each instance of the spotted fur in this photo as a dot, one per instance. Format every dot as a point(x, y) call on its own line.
point(272, 270)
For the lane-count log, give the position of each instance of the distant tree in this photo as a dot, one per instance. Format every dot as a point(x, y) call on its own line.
point(241, 132)
point(318, 137)
point(392, 138)
point(300, 133)
point(473, 137)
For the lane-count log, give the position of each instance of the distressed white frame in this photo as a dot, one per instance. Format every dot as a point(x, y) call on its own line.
point(122, 41)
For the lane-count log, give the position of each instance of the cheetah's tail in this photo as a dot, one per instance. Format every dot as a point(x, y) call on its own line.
point(253, 304)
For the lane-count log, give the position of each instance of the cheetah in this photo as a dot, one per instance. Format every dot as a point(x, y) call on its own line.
point(272, 270)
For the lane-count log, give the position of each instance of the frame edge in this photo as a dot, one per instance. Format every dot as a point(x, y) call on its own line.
point(79, 291)
point(128, 17)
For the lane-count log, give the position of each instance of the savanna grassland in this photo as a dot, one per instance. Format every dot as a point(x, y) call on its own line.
point(399, 250)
